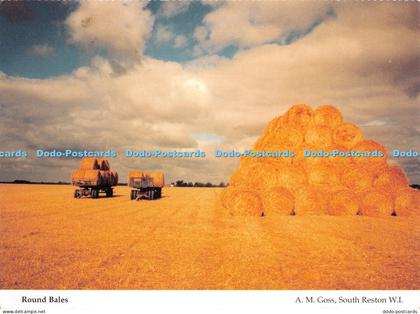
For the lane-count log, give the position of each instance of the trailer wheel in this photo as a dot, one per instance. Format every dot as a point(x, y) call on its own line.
point(152, 195)
point(108, 192)
point(94, 193)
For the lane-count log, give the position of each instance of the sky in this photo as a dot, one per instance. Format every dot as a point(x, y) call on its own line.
point(198, 75)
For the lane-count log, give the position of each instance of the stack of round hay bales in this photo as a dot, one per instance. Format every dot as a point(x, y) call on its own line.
point(333, 185)
point(97, 170)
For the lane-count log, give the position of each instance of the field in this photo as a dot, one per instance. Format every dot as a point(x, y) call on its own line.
point(185, 241)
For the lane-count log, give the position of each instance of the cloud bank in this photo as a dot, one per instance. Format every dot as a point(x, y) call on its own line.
point(121, 27)
point(364, 60)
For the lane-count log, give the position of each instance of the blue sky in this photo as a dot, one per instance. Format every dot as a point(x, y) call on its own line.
point(44, 25)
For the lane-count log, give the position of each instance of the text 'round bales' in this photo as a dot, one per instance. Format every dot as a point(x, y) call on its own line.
point(362, 184)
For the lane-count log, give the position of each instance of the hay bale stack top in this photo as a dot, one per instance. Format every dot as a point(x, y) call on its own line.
point(94, 172)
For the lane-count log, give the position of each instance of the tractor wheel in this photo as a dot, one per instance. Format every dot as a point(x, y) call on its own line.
point(151, 194)
point(76, 194)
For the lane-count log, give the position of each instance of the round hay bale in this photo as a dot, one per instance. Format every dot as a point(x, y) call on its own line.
point(241, 176)
point(105, 177)
point(308, 201)
point(103, 164)
point(344, 203)
point(319, 136)
point(268, 173)
point(111, 178)
point(357, 179)
point(89, 163)
point(328, 116)
point(347, 135)
point(301, 161)
point(341, 163)
point(268, 137)
point(76, 175)
point(252, 175)
point(236, 179)
point(376, 203)
point(133, 175)
point(158, 178)
point(289, 177)
point(277, 201)
point(274, 125)
point(323, 175)
point(300, 115)
point(246, 161)
point(404, 202)
point(262, 175)
point(392, 179)
point(287, 137)
point(91, 175)
point(115, 174)
point(371, 161)
point(416, 201)
point(241, 202)
point(275, 160)
point(262, 142)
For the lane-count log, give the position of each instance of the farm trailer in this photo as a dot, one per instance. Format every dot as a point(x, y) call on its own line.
point(145, 185)
point(94, 177)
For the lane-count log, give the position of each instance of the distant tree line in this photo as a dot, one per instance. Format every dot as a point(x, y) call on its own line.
point(181, 183)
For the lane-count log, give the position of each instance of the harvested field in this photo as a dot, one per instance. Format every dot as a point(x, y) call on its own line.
point(49, 240)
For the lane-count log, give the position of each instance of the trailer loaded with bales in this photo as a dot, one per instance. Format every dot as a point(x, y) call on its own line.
point(94, 177)
point(146, 185)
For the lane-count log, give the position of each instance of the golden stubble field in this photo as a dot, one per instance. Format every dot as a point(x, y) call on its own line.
point(185, 241)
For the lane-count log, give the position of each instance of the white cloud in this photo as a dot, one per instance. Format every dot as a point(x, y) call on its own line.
point(180, 41)
point(121, 27)
point(163, 34)
point(256, 22)
point(42, 50)
point(375, 123)
point(173, 7)
point(158, 104)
